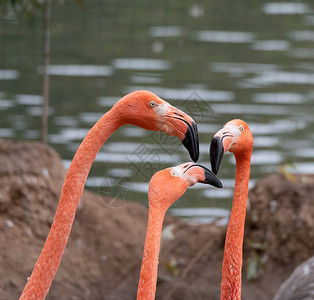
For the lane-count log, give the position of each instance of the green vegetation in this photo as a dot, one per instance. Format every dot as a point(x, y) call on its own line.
point(18, 9)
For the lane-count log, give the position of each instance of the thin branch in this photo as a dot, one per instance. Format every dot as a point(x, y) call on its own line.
point(45, 73)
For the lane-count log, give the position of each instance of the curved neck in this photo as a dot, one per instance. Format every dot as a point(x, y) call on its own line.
point(50, 257)
point(232, 262)
point(148, 278)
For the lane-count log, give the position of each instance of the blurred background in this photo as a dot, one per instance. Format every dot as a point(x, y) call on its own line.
point(217, 60)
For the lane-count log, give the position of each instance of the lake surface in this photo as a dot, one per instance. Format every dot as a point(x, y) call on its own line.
point(216, 60)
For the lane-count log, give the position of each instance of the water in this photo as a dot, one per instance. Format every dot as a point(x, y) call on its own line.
point(245, 59)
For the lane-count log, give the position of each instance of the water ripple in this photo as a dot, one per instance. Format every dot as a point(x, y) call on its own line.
point(165, 31)
point(271, 45)
point(78, 70)
point(280, 98)
point(9, 74)
point(224, 36)
point(285, 8)
point(141, 64)
point(185, 94)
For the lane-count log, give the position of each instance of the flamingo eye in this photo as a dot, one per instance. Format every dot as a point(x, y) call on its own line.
point(152, 104)
point(241, 128)
point(173, 173)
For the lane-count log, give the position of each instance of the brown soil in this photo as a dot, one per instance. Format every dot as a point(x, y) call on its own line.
point(103, 257)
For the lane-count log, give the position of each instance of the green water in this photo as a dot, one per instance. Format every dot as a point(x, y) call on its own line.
point(228, 59)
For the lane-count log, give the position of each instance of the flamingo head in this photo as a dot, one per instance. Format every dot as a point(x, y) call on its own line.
point(147, 110)
point(168, 185)
point(234, 137)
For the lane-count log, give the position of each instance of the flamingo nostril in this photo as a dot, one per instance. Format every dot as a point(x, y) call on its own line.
point(178, 114)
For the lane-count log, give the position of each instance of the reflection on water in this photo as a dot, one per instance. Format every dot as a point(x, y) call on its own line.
point(134, 158)
point(225, 193)
point(37, 111)
point(271, 45)
point(107, 101)
point(164, 31)
point(302, 53)
point(279, 98)
point(252, 109)
point(78, 70)
point(9, 74)
point(241, 68)
point(266, 141)
point(203, 215)
point(278, 127)
point(99, 182)
point(250, 60)
point(183, 94)
point(304, 168)
point(6, 132)
point(304, 152)
point(141, 64)
point(268, 78)
point(29, 99)
point(266, 158)
point(304, 35)
point(5, 104)
point(285, 8)
point(145, 78)
point(224, 36)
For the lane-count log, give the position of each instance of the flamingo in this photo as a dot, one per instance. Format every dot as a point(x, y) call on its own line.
point(140, 108)
point(300, 285)
point(165, 188)
point(237, 138)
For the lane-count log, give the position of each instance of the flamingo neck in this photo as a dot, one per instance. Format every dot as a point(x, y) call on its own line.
point(50, 257)
point(232, 262)
point(148, 278)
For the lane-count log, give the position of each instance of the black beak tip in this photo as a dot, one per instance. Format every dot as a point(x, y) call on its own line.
point(216, 153)
point(194, 156)
point(211, 179)
point(215, 169)
point(191, 142)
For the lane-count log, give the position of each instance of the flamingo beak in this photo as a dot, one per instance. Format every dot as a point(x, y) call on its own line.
point(216, 153)
point(203, 175)
point(186, 129)
point(190, 141)
point(221, 142)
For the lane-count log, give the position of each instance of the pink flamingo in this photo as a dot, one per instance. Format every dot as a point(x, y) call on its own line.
point(237, 138)
point(140, 108)
point(165, 188)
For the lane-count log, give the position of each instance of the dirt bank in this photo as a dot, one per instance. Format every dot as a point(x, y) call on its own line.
point(103, 256)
